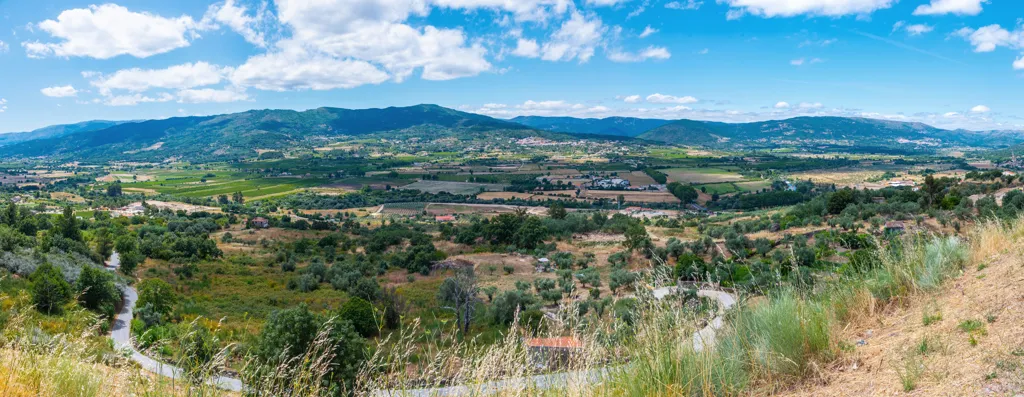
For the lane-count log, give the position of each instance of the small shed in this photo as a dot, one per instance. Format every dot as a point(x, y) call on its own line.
point(543, 265)
point(894, 227)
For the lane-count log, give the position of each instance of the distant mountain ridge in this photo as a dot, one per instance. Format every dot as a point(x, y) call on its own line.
point(798, 131)
point(239, 134)
point(56, 131)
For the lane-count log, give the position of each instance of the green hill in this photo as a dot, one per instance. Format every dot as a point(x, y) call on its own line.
point(239, 134)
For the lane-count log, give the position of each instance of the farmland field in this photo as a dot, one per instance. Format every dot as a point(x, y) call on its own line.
point(637, 178)
point(453, 187)
point(634, 196)
point(193, 185)
point(701, 175)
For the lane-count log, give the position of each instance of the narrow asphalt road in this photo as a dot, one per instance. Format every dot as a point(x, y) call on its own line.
point(701, 339)
point(122, 337)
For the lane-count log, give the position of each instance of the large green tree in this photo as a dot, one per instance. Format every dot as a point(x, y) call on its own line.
point(50, 292)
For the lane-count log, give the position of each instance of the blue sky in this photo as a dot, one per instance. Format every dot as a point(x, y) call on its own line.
point(950, 63)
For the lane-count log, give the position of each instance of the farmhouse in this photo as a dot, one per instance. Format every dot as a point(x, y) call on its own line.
point(133, 209)
point(445, 218)
point(259, 222)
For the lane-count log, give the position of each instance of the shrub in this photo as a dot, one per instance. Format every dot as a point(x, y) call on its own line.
point(97, 291)
point(50, 292)
point(359, 312)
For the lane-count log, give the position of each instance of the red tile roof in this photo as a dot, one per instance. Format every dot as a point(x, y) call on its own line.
point(563, 342)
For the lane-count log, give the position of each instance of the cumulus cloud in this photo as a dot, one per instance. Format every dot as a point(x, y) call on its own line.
point(782, 105)
point(210, 95)
point(919, 29)
point(575, 39)
point(526, 48)
point(651, 52)
point(987, 38)
point(605, 3)
point(648, 31)
point(59, 91)
point(661, 98)
point(684, 5)
point(3, 105)
point(980, 109)
point(958, 7)
point(184, 76)
point(1019, 63)
point(790, 8)
point(110, 30)
point(238, 19)
point(286, 71)
point(135, 99)
point(632, 99)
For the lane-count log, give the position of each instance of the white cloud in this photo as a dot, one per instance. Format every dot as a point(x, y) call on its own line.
point(575, 39)
point(208, 95)
point(605, 3)
point(919, 29)
point(789, 8)
point(238, 19)
point(526, 48)
point(109, 30)
point(958, 7)
point(285, 71)
point(703, 52)
point(372, 31)
point(648, 31)
point(182, 76)
point(523, 10)
point(987, 38)
point(951, 114)
point(898, 25)
point(135, 99)
point(684, 5)
point(3, 105)
point(59, 91)
point(797, 62)
point(782, 105)
point(651, 52)
point(660, 98)
point(1019, 63)
point(808, 105)
point(632, 99)
point(980, 109)
point(4, 47)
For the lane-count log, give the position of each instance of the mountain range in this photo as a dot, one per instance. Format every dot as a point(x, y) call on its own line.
point(238, 135)
point(804, 132)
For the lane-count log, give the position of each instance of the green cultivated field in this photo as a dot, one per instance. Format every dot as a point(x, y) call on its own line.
point(190, 184)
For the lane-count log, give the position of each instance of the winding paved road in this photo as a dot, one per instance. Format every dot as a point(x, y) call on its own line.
point(122, 337)
point(701, 339)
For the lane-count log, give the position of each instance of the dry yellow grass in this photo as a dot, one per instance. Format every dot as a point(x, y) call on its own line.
point(954, 362)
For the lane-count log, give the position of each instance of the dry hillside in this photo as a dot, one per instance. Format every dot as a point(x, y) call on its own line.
point(966, 340)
